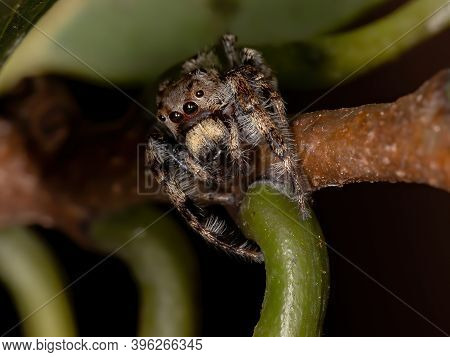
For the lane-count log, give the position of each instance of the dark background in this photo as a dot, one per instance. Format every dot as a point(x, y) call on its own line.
point(397, 233)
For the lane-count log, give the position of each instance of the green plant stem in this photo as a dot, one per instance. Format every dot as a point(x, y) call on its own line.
point(31, 275)
point(156, 250)
point(296, 264)
point(328, 59)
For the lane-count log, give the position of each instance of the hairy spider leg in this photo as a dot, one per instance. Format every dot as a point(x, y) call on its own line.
point(261, 124)
point(205, 59)
point(301, 185)
point(178, 186)
point(254, 58)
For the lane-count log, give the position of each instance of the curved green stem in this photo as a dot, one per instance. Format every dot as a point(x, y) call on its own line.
point(296, 264)
point(328, 59)
point(156, 250)
point(31, 275)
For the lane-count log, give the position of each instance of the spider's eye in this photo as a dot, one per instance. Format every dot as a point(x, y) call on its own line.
point(176, 117)
point(199, 93)
point(162, 117)
point(190, 107)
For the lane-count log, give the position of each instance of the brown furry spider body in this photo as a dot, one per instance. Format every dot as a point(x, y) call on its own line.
point(216, 115)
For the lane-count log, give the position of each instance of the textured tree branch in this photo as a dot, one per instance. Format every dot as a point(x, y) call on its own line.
point(406, 141)
point(59, 170)
point(57, 167)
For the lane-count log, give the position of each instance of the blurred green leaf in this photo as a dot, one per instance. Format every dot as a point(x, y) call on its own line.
point(136, 40)
point(123, 41)
point(156, 250)
point(16, 18)
point(267, 22)
point(325, 60)
point(33, 277)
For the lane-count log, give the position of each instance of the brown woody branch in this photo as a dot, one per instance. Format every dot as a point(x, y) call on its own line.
point(405, 141)
point(59, 170)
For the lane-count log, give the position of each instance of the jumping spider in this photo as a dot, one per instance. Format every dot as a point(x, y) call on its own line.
point(216, 113)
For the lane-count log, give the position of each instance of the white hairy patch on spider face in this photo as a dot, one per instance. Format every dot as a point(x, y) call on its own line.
point(204, 136)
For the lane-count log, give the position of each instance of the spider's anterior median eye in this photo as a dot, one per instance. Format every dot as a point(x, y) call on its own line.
point(176, 117)
point(190, 107)
point(199, 93)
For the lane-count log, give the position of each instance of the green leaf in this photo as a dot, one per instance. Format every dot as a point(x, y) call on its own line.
point(16, 19)
point(326, 60)
point(114, 40)
point(135, 41)
point(267, 22)
point(33, 277)
point(156, 250)
point(296, 263)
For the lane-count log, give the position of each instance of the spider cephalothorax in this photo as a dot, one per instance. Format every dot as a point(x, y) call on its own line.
point(216, 113)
